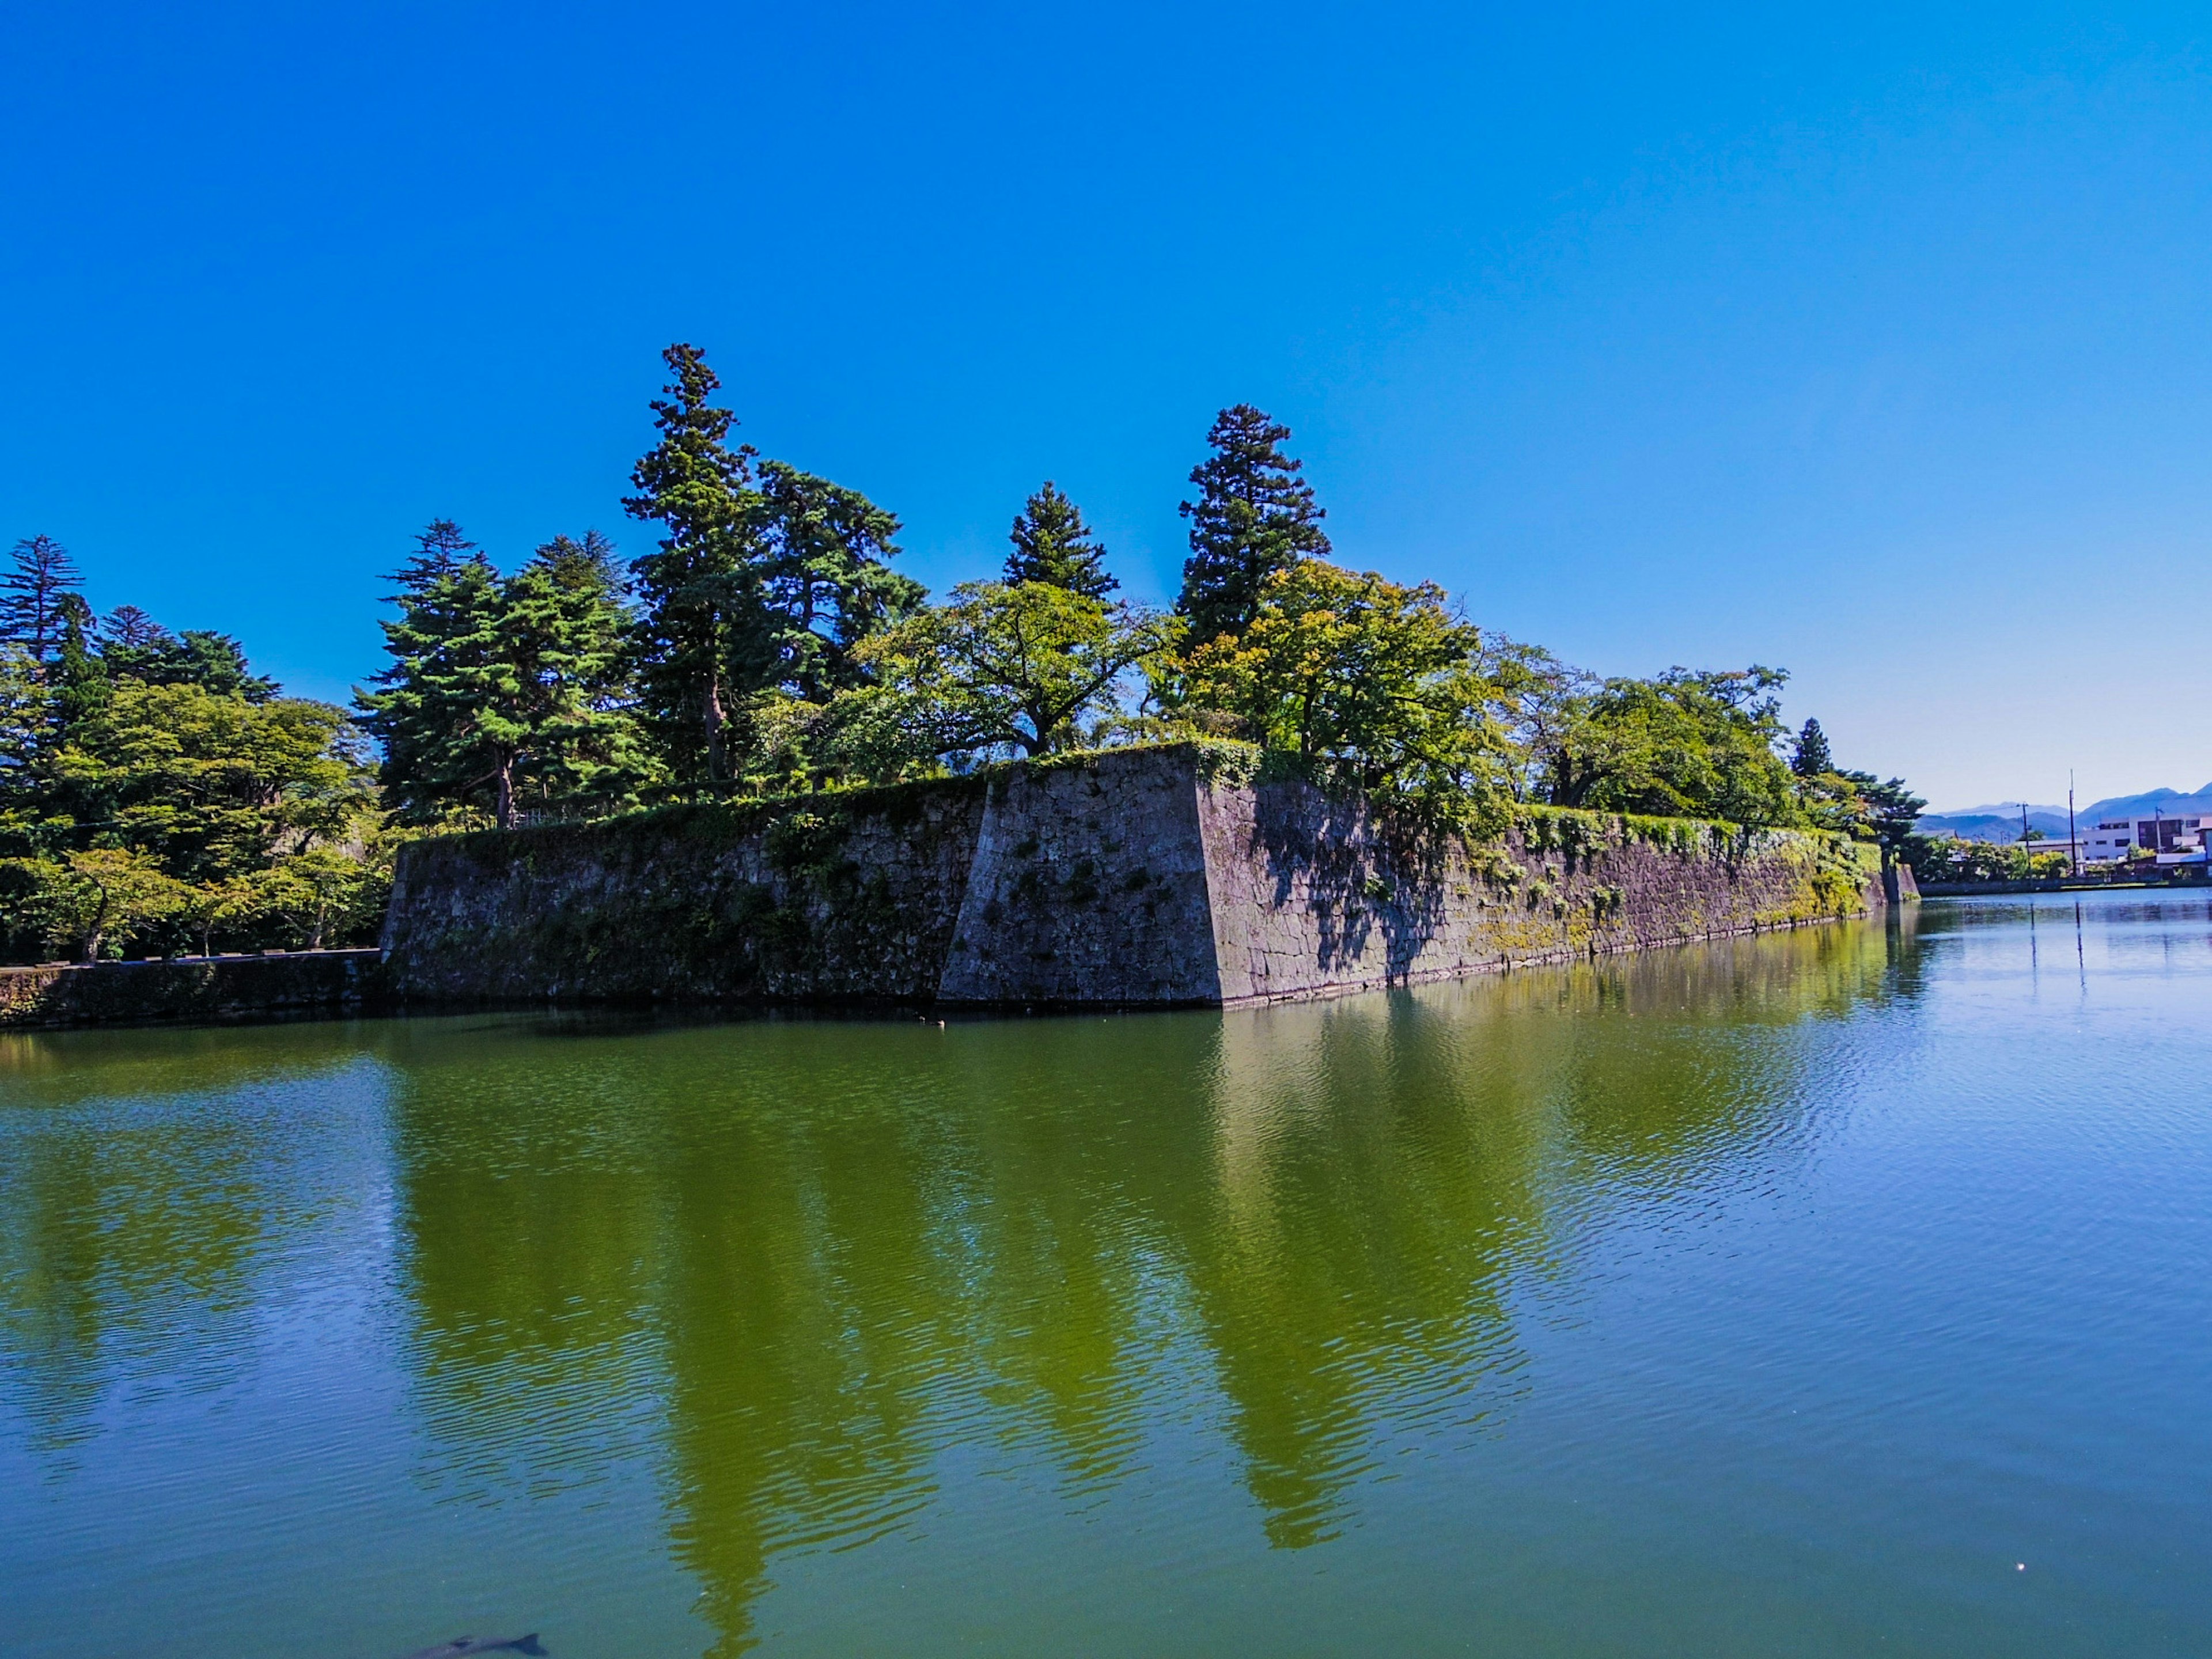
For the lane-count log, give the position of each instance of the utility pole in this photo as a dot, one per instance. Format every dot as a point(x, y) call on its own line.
point(2073, 836)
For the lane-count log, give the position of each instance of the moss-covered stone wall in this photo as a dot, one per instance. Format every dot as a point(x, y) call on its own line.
point(1148, 877)
point(198, 989)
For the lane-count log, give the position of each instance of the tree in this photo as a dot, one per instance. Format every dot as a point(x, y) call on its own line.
point(497, 688)
point(694, 588)
point(1357, 683)
point(207, 784)
point(1005, 667)
point(1053, 545)
point(197, 656)
point(88, 900)
point(303, 895)
point(1254, 516)
point(1534, 698)
point(1811, 757)
point(1892, 810)
point(823, 583)
point(567, 629)
point(34, 592)
point(1695, 744)
point(445, 714)
point(129, 629)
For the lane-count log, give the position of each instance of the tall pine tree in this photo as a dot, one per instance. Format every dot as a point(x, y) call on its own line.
point(1811, 758)
point(505, 691)
point(822, 582)
point(568, 629)
point(1254, 516)
point(695, 589)
point(444, 715)
point(1052, 544)
point(34, 596)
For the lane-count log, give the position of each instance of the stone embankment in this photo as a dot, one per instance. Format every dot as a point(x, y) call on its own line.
point(1157, 876)
point(199, 989)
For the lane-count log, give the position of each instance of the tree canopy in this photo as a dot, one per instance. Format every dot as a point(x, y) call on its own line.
point(1362, 684)
point(1254, 516)
point(1052, 544)
point(504, 690)
point(155, 791)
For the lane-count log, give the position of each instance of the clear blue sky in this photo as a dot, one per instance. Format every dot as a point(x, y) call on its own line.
point(1873, 344)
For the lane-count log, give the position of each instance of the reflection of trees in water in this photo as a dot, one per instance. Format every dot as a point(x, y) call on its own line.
point(1384, 1166)
point(824, 1254)
point(146, 1178)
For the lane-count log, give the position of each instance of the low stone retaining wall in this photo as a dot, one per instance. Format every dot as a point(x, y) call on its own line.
point(1137, 877)
point(201, 989)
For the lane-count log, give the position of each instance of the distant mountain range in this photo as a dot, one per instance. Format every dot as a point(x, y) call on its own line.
point(2000, 820)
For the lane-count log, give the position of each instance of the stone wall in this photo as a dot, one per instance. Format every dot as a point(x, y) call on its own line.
point(199, 989)
point(1148, 877)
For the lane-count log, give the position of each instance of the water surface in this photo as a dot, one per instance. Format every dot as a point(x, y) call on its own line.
point(1834, 1292)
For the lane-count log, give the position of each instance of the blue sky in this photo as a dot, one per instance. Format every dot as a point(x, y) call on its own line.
point(1873, 344)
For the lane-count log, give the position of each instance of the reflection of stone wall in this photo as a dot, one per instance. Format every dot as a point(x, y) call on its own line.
point(1144, 876)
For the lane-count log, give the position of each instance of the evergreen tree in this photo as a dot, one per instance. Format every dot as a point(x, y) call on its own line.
point(129, 629)
point(696, 588)
point(1052, 544)
point(445, 713)
point(503, 691)
point(197, 656)
point(822, 584)
point(568, 629)
point(1254, 516)
point(439, 546)
point(1812, 759)
point(34, 592)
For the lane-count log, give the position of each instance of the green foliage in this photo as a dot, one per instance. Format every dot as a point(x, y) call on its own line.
point(209, 785)
point(1052, 544)
point(1950, 858)
point(692, 590)
point(821, 583)
point(1357, 683)
point(1689, 743)
point(1252, 518)
point(1811, 759)
point(40, 578)
point(85, 901)
point(148, 780)
point(503, 692)
point(1005, 668)
point(763, 585)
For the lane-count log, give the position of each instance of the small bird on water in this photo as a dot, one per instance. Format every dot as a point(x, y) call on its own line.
point(461, 1645)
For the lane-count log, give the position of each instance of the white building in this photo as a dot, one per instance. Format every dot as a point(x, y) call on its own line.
point(2176, 840)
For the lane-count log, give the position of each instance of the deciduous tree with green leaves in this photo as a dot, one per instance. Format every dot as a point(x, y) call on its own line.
point(1009, 668)
point(1360, 683)
point(1687, 743)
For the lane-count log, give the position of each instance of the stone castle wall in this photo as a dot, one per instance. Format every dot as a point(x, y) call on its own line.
point(195, 989)
point(1152, 877)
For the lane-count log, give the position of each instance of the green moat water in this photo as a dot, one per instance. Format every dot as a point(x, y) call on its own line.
point(1840, 1292)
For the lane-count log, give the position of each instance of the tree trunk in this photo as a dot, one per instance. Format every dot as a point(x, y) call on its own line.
point(718, 766)
point(503, 810)
point(93, 941)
